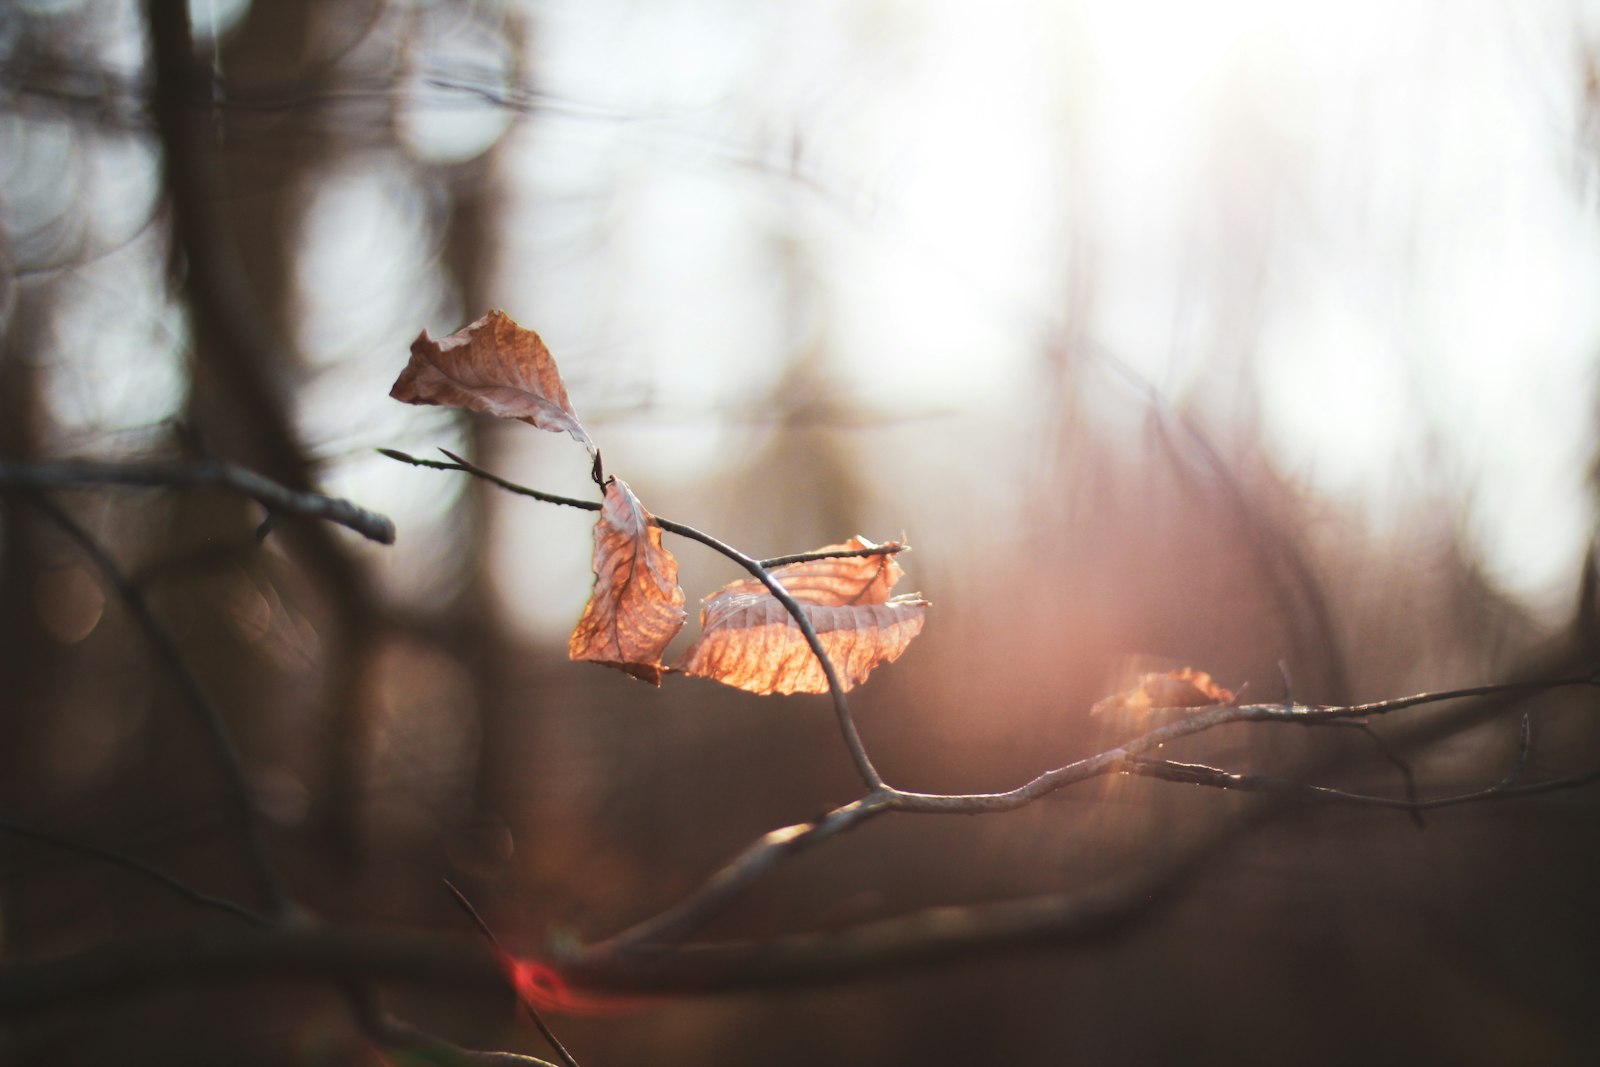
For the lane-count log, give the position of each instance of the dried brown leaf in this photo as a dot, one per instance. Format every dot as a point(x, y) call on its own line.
point(494, 366)
point(1182, 688)
point(750, 641)
point(636, 608)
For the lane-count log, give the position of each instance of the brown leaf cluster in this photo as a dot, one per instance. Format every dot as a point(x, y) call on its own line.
point(749, 639)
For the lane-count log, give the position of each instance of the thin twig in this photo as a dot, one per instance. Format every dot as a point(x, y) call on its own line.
point(1217, 778)
point(1200, 721)
point(459, 464)
point(139, 867)
point(204, 711)
point(388, 1032)
point(506, 957)
point(841, 706)
point(737, 876)
point(200, 474)
point(843, 553)
point(1408, 779)
point(392, 1033)
point(1384, 707)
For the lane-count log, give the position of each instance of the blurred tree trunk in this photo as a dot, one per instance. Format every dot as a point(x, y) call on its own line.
point(471, 253)
point(29, 661)
point(236, 184)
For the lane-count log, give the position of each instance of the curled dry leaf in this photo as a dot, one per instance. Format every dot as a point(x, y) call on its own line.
point(1182, 688)
point(750, 641)
point(494, 366)
point(636, 607)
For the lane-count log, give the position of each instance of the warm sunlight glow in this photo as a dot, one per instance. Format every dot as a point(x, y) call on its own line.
point(1360, 227)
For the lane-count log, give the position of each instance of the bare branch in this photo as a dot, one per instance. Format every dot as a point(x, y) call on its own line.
point(1384, 707)
point(759, 858)
point(654, 950)
point(199, 474)
point(1217, 778)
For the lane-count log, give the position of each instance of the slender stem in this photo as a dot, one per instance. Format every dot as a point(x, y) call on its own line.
point(1217, 778)
point(843, 553)
point(740, 873)
point(1406, 776)
point(1383, 707)
point(506, 958)
point(765, 853)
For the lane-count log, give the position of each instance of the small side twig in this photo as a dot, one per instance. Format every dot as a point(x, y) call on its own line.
point(391, 1033)
point(1217, 778)
point(737, 876)
point(843, 553)
point(760, 857)
point(1407, 778)
point(506, 958)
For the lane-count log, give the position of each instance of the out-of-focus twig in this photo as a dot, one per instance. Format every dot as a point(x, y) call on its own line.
point(507, 959)
point(199, 474)
point(388, 1032)
point(138, 867)
point(204, 711)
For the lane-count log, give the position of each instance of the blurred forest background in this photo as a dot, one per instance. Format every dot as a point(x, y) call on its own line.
point(1232, 333)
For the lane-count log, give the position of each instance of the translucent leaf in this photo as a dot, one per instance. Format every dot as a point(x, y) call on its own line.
point(750, 641)
point(636, 608)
